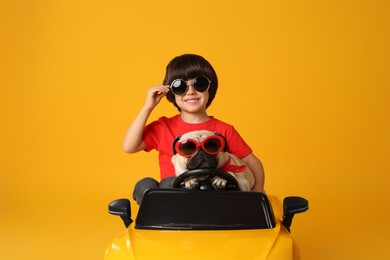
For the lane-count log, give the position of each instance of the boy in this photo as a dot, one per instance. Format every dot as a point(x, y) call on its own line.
point(191, 84)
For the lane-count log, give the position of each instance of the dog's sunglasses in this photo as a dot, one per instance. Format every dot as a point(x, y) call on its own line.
point(180, 87)
point(211, 145)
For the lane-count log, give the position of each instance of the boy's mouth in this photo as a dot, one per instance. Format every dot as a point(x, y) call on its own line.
point(192, 100)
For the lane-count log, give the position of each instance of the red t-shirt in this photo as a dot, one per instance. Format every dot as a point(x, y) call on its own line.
point(160, 135)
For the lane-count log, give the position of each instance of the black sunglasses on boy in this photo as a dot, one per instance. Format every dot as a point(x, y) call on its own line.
point(180, 87)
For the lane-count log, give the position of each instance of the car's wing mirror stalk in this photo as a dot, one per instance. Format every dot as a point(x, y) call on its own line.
point(121, 207)
point(292, 206)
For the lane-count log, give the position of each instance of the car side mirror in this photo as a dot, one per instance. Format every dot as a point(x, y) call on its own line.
point(292, 206)
point(121, 207)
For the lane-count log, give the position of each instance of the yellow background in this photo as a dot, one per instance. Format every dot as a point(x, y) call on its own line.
point(306, 83)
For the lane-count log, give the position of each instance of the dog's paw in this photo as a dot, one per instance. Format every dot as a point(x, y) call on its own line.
point(191, 183)
point(219, 183)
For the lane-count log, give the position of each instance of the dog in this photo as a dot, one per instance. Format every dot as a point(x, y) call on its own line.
point(204, 149)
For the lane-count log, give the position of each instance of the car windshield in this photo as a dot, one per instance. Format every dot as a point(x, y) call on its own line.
point(204, 210)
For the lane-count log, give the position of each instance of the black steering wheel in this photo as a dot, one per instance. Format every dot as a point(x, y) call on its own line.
point(206, 176)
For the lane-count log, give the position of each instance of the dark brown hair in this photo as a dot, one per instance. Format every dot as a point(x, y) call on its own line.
point(189, 66)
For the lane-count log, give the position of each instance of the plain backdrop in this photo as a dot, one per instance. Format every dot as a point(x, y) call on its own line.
point(306, 83)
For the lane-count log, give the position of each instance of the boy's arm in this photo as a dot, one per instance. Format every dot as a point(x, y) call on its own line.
point(133, 142)
point(257, 169)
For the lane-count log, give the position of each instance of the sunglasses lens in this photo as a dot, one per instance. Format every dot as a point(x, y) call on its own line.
point(179, 87)
point(201, 84)
point(212, 145)
point(187, 148)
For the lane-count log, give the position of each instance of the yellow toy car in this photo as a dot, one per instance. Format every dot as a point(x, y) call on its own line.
point(206, 224)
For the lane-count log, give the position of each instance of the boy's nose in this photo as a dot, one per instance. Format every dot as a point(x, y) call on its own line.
point(191, 89)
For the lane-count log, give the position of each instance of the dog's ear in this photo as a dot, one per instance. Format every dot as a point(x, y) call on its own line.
point(226, 144)
point(174, 144)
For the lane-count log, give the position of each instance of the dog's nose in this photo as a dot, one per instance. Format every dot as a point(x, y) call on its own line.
point(202, 160)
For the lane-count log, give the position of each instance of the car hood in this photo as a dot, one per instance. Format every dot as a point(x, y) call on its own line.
point(271, 244)
point(223, 244)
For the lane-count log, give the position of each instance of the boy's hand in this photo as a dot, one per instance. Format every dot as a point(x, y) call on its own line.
point(154, 96)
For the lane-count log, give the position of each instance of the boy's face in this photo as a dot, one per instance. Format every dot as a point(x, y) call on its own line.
point(192, 101)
